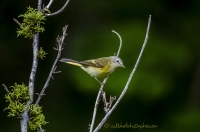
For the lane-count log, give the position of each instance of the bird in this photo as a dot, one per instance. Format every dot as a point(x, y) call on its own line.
point(97, 68)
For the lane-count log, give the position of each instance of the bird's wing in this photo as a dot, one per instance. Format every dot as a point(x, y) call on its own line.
point(99, 63)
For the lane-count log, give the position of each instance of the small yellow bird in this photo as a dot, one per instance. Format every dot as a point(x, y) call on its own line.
point(97, 68)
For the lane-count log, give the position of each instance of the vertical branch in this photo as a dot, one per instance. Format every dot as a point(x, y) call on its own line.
point(128, 82)
point(39, 5)
point(34, 65)
point(25, 119)
point(24, 116)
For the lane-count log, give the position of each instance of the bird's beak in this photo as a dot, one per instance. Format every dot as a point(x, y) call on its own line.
point(122, 65)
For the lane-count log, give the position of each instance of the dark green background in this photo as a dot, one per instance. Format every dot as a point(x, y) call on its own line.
point(164, 91)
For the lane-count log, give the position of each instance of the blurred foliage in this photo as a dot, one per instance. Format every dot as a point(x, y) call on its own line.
point(164, 90)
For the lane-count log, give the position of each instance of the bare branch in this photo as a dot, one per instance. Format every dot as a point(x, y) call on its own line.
point(59, 11)
point(128, 82)
point(60, 42)
point(112, 99)
point(5, 88)
point(24, 115)
point(101, 89)
point(103, 94)
point(39, 5)
point(50, 2)
point(120, 42)
point(41, 130)
point(54, 71)
point(107, 105)
point(17, 21)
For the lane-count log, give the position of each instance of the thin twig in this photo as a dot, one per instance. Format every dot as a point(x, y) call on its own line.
point(97, 103)
point(103, 94)
point(54, 71)
point(59, 11)
point(41, 130)
point(15, 20)
point(120, 42)
point(128, 82)
point(101, 89)
point(50, 2)
point(107, 105)
point(60, 45)
point(5, 88)
point(112, 99)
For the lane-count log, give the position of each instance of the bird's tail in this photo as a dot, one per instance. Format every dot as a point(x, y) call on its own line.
point(70, 61)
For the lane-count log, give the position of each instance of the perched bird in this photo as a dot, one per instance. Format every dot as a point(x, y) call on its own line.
point(97, 68)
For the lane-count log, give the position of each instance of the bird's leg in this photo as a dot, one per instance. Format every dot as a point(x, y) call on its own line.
point(98, 81)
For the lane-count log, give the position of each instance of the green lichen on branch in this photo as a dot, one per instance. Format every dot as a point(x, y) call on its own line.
point(36, 117)
point(32, 21)
point(17, 98)
point(42, 53)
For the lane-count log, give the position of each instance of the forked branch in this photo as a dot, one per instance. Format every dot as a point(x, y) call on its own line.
point(107, 105)
point(59, 11)
point(128, 82)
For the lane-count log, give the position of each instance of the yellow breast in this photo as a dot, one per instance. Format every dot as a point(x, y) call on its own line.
point(98, 72)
